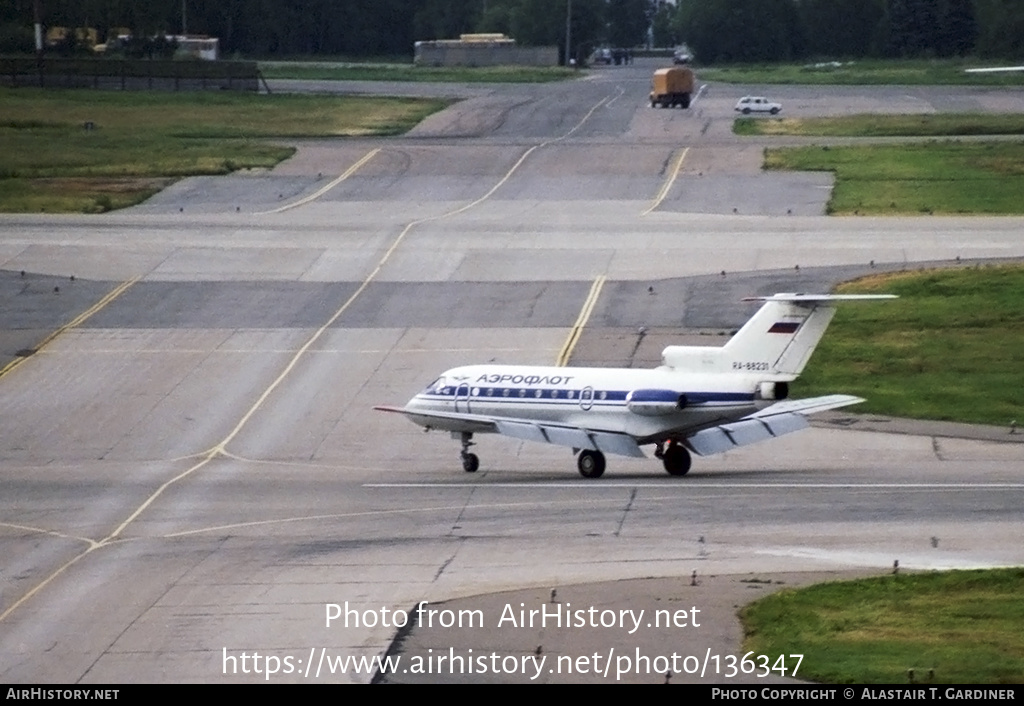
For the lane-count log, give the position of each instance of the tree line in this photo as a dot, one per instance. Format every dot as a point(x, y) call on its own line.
point(718, 31)
point(780, 30)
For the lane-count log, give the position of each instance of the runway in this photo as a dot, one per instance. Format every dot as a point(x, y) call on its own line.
point(191, 466)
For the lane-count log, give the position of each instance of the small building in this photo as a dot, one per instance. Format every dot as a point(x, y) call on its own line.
point(197, 47)
point(482, 50)
point(188, 46)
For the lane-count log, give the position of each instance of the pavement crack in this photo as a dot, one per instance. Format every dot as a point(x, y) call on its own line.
point(457, 524)
point(625, 511)
point(636, 346)
point(443, 566)
point(144, 611)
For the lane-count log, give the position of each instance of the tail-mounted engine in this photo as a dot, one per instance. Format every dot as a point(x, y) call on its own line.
point(654, 403)
point(773, 390)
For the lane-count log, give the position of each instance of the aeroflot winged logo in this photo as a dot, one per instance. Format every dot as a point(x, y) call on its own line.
point(701, 400)
point(496, 378)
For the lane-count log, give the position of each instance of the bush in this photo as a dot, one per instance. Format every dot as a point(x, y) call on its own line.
point(16, 39)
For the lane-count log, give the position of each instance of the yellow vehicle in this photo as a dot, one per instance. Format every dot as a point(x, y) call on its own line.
point(672, 87)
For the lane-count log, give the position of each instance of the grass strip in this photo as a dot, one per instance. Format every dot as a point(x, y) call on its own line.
point(90, 151)
point(950, 348)
point(935, 72)
point(947, 177)
point(962, 626)
point(408, 72)
point(919, 125)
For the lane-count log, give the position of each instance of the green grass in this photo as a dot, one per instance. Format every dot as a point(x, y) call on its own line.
point(140, 141)
point(74, 195)
point(950, 348)
point(867, 72)
point(922, 125)
point(966, 625)
point(322, 71)
point(924, 178)
point(930, 178)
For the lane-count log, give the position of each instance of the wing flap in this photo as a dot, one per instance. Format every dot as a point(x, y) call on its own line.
point(618, 444)
point(749, 431)
point(521, 430)
point(527, 430)
point(710, 441)
point(604, 441)
point(781, 418)
point(569, 436)
point(785, 423)
point(746, 431)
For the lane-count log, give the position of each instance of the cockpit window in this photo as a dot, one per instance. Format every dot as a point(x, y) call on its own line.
point(436, 387)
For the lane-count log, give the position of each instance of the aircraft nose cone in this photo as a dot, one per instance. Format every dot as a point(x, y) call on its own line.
point(417, 402)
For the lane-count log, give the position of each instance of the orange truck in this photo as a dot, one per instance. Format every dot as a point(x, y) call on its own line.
point(672, 87)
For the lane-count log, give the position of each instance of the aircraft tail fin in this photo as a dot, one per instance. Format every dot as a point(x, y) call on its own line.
point(780, 338)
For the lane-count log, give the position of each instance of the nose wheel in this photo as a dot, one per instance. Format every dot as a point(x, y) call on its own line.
point(470, 461)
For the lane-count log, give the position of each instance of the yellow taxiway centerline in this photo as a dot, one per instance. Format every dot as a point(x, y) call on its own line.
point(219, 450)
point(323, 190)
point(581, 321)
point(668, 183)
point(75, 322)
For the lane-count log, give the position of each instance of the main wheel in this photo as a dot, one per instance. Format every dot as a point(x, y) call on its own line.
point(590, 463)
point(470, 463)
point(676, 460)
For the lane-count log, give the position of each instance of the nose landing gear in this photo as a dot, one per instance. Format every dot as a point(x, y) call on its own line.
point(470, 461)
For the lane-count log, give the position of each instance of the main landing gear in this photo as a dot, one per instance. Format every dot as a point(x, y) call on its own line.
point(675, 458)
point(590, 463)
point(470, 461)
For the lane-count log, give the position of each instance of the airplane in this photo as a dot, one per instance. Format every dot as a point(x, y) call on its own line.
point(994, 70)
point(702, 400)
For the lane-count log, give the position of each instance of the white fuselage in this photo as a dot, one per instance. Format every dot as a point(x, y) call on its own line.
point(641, 403)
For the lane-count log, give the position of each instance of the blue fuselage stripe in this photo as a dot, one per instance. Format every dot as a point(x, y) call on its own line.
point(554, 396)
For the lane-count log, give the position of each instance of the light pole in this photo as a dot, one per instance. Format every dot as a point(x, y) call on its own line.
point(37, 16)
point(568, 31)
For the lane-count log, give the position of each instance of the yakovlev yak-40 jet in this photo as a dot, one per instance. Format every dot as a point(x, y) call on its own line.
point(701, 400)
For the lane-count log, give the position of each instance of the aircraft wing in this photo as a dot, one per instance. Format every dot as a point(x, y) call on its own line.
point(529, 430)
point(781, 418)
point(446, 421)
